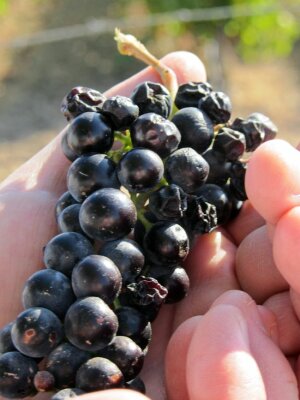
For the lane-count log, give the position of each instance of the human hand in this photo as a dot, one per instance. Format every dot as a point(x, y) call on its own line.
point(224, 346)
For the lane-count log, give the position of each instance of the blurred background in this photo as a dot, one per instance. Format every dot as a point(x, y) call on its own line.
point(251, 49)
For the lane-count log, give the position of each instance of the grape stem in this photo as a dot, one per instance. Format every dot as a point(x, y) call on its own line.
point(128, 45)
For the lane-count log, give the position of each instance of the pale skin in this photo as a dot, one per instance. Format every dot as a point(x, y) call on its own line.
point(236, 336)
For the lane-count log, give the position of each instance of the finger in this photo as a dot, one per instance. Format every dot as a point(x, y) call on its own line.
point(255, 268)
point(153, 368)
point(272, 179)
point(286, 249)
point(210, 267)
point(237, 340)
point(114, 394)
point(287, 322)
point(47, 169)
point(220, 365)
point(245, 222)
point(177, 350)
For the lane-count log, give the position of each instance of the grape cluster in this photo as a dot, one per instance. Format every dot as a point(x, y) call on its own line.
point(144, 180)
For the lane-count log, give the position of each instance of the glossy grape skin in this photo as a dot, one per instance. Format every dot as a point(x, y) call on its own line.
point(98, 373)
point(126, 354)
point(217, 196)
point(168, 202)
point(135, 325)
point(140, 170)
point(121, 111)
point(189, 94)
point(63, 363)
point(90, 132)
point(6, 343)
point(64, 201)
point(97, 276)
point(81, 99)
point(219, 167)
point(68, 220)
point(128, 257)
point(90, 324)
point(218, 107)
point(36, 332)
point(177, 283)
point(16, 375)
point(187, 169)
point(107, 214)
point(67, 393)
point(195, 127)
point(152, 97)
point(89, 173)
point(70, 154)
point(65, 250)
point(166, 243)
point(154, 132)
point(49, 289)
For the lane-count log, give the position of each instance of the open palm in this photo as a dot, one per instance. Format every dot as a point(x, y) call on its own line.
point(217, 343)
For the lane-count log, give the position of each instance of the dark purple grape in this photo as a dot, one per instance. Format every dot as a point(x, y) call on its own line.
point(68, 220)
point(201, 216)
point(168, 203)
point(16, 375)
point(49, 289)
point(107, 214)
point(90, 133)
point(187, 169)
point(98, 373)
point(237, 180)
point(136, 384)
point(195, 127)
point(230, 143)
point(65, 200)
point(121, 111)
point(152, 97)
point(89, 173)
point(131, 321)
point(134, 324)
point(140, 170)
point(147, 295)
point(217, 196)
point(65, 250)
point(156, 133)
point(177, 283)
point(217, 105)
point(70, 154)
point(97, 276)
point(44, 381)
point(67, 393)
point(219, 167)
point(189, 94)
point(128, 257)
point(257, 128)
point(6, 343)
point(63, 363)
point(126, 354)
point(90, 324)
point(166, 243)
point(81, 99)
point(36, 332)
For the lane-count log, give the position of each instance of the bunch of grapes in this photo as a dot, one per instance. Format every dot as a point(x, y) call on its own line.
point(147, 176)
